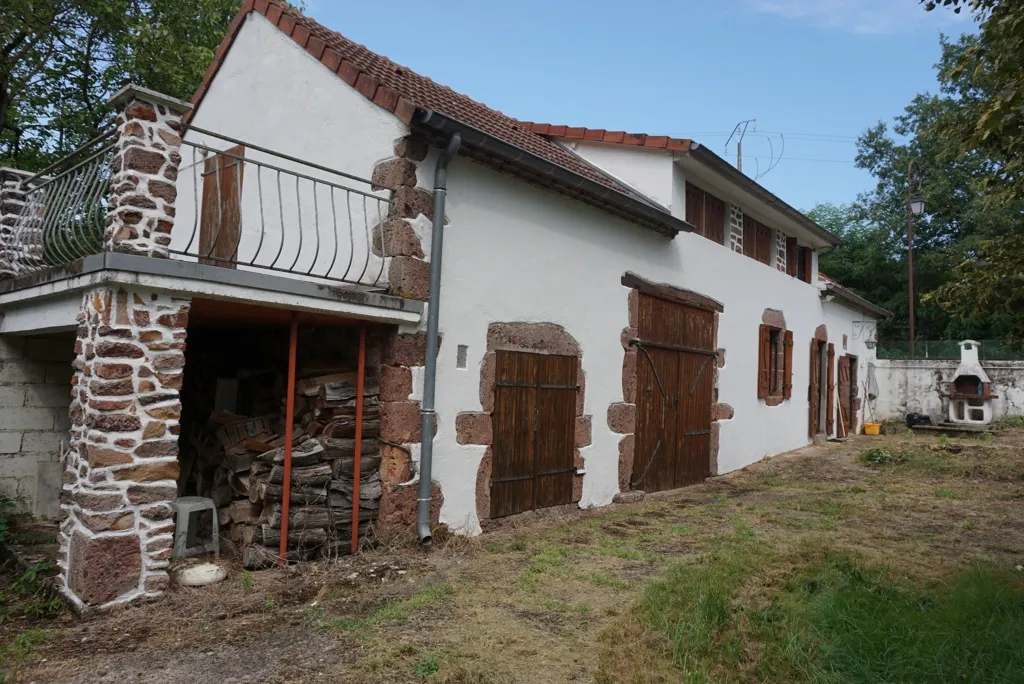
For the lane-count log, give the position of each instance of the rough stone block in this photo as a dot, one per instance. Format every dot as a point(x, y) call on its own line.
point(410, 278)
point(14, 371)
point(45, 442)
point(473, 428)
point(104, 568)
point(12, 396)
point(400, 421)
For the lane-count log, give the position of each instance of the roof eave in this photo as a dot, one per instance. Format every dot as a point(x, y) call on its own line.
point(711, 160)
point(562, 179)
point(856, 301)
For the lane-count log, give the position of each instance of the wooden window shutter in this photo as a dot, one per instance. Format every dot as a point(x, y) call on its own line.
point(695, 208)
point(220, 224)
point(749, 237)
point(830, 409)
point(812, 391)
point(808, 264)
point(787, 367)
point(792, 251)
point(764, 350)
point(714, 218)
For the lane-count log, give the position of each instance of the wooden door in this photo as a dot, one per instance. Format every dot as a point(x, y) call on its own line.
point(845, 396)
point(675, 380)
point(534, 432)
point(220, 225)
point(814, 389)
point(830, 399)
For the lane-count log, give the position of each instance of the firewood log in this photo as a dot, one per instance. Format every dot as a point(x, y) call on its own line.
point(302, 537)
point(304, 476)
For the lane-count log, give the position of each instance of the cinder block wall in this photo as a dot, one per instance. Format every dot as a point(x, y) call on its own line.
point(35, 393)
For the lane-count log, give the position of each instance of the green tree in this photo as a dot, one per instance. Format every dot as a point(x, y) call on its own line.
point(61, 59)
point(987, 79)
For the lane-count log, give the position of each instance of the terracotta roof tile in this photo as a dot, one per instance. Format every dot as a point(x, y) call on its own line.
point(601, 135)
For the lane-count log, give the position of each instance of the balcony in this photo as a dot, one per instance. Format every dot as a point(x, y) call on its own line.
point(232, 204)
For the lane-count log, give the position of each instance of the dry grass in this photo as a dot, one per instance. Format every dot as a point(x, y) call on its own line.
point(557, 599)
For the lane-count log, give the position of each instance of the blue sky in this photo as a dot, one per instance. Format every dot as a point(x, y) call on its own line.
point(818, 71)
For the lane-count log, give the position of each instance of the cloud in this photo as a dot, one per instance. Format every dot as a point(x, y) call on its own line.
point(862, 16)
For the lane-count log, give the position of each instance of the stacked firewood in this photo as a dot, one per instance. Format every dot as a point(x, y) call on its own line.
point(249, 489)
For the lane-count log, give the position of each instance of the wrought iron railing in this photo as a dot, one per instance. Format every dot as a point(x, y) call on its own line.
point(248, 207)
point(65, 208)
point(237, 205)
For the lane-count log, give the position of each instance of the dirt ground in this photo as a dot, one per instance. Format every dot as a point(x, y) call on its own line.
point(540, 600)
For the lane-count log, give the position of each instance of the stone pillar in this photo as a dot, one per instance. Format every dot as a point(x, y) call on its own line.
point(12, 204)
point(404, 237)
point(780, 251)
point(120, 474)
point(140, 212)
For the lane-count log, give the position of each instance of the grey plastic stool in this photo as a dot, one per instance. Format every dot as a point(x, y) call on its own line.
point(185, 543)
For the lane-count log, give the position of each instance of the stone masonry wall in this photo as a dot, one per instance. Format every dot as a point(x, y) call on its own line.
point(403, 238)
point(736, 228)
point(120, 473)
point(35, 382)
point(140, 212)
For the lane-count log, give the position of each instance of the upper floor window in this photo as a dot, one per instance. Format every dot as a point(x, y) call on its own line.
point(757, 240)
point(706, 213)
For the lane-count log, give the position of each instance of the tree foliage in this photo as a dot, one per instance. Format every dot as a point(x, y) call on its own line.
point(61, 59)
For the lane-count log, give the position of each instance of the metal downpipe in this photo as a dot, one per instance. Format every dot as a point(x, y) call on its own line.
point(427, 415)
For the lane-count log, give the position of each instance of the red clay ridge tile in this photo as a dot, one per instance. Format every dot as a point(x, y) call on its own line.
point(349, 72)
point(575, 133)
point(300, 34)
point(331, 59)
point(656, 141)
point(286, 23)
point(557, 131)
point(274, 13)
point(366, 84)
point(386, 98)
point(404, 110)
point(261, 6)
point(593, 134)
point(315, 46)
point(614, 136)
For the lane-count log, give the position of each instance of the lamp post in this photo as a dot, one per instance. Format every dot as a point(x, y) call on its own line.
point(915, 207)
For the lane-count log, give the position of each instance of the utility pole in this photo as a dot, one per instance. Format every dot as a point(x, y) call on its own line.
point(915, 206)
point(738, 132)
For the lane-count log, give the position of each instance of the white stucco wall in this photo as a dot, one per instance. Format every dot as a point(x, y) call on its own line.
point(272, 93)
point(921, 386)
point(514, 252)
point(517, 253)
point(647, 170)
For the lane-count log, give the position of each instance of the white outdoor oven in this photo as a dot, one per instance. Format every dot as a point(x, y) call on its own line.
point(970, 393)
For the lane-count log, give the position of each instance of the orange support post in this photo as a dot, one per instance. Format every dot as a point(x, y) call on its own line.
point(289, 420)
point(360, 379)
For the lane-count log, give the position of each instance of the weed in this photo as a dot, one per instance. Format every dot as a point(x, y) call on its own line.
point(949, 494)
point(395, 610)
point(247, 581)
point(7, 504)
point(269, 603)
point(22, 646)
point(426, 666)
point(877, 456)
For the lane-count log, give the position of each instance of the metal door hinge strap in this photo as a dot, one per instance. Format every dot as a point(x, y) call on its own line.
point(637, 342)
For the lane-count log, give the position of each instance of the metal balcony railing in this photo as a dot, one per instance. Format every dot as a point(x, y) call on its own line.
point(65, 209)
point(249, 207)
point(237, 205)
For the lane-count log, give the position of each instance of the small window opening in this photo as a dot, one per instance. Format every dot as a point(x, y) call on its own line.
point(460, 356)
point(977, 414)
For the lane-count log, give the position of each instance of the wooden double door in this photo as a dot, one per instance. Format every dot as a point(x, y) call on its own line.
point(675, 382)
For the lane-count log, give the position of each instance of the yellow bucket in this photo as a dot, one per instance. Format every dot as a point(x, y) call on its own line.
point(872, 428)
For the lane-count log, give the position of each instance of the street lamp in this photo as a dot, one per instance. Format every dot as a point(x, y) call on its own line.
point(915, 207)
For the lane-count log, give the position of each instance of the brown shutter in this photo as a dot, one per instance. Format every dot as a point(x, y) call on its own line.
point(714, 218)
point(808, 264)
point(220, 227)
point(792, 251)
point(812, 391)
point(764, 350)
point(830, 409)
point(787, 367)
point(749, 237)
point(695, 208)
point(764, 244)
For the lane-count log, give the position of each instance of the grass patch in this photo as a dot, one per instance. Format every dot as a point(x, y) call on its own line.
point(23, 645)
point(395, 610)
point(949, 460)
point(744, 614)
point(943, 493)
